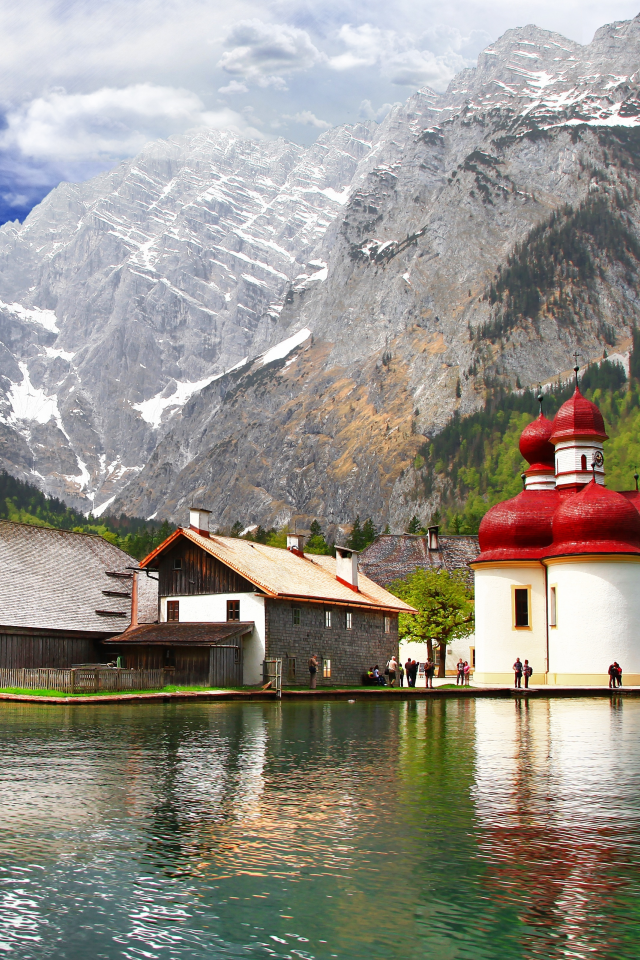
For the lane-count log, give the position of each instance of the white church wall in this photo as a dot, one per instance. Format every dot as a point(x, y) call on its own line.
point(598, 620)
point(498, 641)
point(212, 608)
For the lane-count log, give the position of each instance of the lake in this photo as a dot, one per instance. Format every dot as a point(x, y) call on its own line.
point(432, 830)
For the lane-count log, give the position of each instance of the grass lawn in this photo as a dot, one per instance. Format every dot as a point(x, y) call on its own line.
point(115, 693)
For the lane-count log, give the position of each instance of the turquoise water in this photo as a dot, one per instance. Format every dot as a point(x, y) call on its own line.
point(441, 830)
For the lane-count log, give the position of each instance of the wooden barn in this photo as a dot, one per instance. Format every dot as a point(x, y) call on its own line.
point(62, 594)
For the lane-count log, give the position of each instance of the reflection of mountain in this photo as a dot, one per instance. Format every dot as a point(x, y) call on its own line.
point(552, 836)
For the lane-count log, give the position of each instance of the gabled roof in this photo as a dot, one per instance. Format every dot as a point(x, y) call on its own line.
point(394, 556)
point(58, 580)
point(284, 574)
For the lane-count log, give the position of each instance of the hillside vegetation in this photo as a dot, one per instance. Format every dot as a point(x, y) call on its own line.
point(476, 462)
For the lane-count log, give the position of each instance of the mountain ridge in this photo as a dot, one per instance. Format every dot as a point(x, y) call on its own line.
point(383, 241)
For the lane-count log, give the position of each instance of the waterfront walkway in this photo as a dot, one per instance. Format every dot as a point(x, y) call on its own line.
point(333, 693)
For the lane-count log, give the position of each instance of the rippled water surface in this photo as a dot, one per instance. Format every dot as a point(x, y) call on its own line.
point(442, 830)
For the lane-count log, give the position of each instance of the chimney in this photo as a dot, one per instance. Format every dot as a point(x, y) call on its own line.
point(199, 521)
point(295, 543)
point(347, 567)
point(432, 533)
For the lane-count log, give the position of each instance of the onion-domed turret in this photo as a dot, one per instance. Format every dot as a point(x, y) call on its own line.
point(577, 434)
point(535, 445)
point(518, 529)
point(596, 520)
point(578, 417)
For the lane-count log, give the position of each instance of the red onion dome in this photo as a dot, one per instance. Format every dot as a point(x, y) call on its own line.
point(595, 520)
point(535, 446)
point(518, 529)
point(578, 417)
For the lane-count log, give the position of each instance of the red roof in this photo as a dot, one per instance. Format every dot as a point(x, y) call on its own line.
point(519, 529)
point(535, 446)
point(578, 417)
point(595, 520)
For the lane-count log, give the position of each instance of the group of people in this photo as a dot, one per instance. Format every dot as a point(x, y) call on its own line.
point(395, 672)
point(464, 673)
point(521, 670)
point(615, 675)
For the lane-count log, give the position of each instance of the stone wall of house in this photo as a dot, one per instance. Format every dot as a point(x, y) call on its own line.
point(351, 651)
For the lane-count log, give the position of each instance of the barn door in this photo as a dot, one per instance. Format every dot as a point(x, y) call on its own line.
point(225, 666)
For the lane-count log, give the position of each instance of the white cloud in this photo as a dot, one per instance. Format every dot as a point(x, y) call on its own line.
point(109, 123)
point(265, 52)
point(403, 59)
point(309, 119)
point(367, 111)
point(235, 86)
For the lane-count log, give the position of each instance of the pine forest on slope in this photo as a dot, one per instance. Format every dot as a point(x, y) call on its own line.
point(278, 332)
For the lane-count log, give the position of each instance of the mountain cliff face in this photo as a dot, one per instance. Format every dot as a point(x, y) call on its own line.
point(356, 293)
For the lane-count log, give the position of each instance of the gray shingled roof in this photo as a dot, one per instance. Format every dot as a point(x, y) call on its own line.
point(56, 580)
point(185, 634)
point(394, 556)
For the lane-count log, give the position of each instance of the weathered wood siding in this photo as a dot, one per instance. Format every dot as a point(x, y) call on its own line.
point(24, 650)
point(200, 573)
point(82, 679)
point(217, 666)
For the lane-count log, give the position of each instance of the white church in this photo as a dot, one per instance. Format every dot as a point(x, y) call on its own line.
point(557, 579)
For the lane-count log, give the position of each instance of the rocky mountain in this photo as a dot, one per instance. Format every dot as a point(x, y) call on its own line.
point(275, 331)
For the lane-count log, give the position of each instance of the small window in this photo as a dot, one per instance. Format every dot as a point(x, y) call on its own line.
point(233, 609)
point(521, 606)
point(177, 563)
point(473, 657)
point(387, 624)
point(327, 618)
point(295, 616)
point(349, 620)
point(326, 669)
point(173, 610)
point(291, 669)
point(236, 654)
point(553, 607)
point(583, 462)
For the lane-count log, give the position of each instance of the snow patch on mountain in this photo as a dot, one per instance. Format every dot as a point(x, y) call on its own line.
point(43, 318)
point(280, 351)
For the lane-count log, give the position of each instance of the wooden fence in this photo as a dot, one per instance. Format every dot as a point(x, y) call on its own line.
point(83, 679)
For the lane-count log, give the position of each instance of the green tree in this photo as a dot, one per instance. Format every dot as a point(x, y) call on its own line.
point(369, 532)
point(414, 525)
point(317, 543)
point(444, 602)
point(355, 540)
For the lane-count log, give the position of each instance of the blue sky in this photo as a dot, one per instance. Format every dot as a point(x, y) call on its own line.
point(86, 83)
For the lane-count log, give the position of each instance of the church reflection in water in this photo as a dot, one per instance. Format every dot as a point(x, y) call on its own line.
point(557, 811)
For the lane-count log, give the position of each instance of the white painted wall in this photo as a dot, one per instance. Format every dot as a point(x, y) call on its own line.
point(598, 619)
point(498, 642)
point(212, 608)
point(569, 461)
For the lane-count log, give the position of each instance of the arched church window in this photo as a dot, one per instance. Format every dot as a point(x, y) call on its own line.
point(583, 462)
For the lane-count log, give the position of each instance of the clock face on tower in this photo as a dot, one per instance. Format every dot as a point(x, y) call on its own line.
point(597, 460)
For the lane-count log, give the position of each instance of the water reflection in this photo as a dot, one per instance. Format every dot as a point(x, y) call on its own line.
point(470, 829)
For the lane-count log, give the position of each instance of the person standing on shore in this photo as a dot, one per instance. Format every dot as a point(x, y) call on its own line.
point(466, 671)
point(313, 671)
point(612, 675)
point(392, 666)
point(413, 673)
point(517, 670)
point(429, 670)
point(527, 670)
point(460, 676)
point(618, 673)
point(401, 673)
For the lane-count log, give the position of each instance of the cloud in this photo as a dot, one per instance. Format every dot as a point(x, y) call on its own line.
point(108, 124)
point(402, 59)
point(307, 118)
point(235, 86)
point(366, 110)
point(263, 53)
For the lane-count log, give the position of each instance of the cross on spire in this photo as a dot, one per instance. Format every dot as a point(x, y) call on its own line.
point(577, 367)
